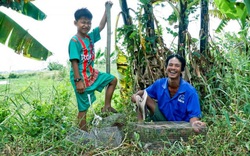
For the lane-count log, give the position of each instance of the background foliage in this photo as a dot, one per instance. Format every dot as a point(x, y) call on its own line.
point(36, 115)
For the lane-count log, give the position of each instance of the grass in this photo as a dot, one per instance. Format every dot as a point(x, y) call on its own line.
point(38, 110)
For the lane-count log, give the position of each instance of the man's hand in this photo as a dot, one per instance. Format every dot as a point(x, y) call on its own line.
point(133, 98)
point(198, 126)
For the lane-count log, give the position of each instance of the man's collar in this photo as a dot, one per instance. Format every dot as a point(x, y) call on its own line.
point(181, 89)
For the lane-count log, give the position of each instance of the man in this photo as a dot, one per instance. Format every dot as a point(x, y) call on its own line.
point(171, 98)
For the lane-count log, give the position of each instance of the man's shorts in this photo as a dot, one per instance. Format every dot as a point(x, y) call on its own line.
point(100, 83)
point(157, 116)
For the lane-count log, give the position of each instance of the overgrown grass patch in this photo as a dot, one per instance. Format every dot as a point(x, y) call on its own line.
point(37, 111)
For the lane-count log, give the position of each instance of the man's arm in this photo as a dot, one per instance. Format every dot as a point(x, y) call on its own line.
point(104, 17)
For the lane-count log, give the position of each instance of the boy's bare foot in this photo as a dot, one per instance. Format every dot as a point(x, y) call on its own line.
point(109, 109)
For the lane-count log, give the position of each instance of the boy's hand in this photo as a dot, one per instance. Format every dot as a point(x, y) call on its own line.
point(80, 88)
point(109, 3)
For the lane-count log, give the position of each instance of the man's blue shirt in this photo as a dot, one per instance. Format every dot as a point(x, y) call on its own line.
point(182, 106)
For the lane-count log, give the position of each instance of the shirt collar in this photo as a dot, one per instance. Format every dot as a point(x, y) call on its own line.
point(181, 89)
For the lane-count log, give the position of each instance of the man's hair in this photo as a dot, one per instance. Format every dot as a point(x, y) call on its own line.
point(179, 57)
point(83, 12)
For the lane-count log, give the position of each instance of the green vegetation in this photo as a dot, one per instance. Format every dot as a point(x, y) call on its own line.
point(38, 110)
point(55, 66)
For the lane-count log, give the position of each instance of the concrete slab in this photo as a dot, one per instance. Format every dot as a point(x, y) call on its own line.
point(162, 131)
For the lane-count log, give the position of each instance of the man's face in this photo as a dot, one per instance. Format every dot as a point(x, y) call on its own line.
point(174, 68)
point(83, 25)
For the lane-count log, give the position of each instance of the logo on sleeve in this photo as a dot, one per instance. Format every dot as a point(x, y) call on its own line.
point(181, 98)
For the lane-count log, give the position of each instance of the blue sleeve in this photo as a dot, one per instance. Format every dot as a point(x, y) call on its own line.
point(193, 106)
point(152, 90)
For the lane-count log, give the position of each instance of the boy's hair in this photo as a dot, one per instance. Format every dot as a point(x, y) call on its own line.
point(180, 58)
point(83, 12)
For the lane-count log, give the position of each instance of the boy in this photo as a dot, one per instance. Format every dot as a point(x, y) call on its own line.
point(84, 78)
point(176, 99)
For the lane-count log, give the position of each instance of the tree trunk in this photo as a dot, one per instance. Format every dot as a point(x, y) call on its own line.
point(150, 29)
point(204, 27)
point(183, 25)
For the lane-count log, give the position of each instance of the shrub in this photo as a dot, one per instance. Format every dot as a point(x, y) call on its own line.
point(13, 76)
point(2, 77)
point(55, 66)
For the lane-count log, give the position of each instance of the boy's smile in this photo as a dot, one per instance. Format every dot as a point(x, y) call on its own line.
point(83, 26)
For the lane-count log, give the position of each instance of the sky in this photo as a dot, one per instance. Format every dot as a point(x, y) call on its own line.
point(56, 30)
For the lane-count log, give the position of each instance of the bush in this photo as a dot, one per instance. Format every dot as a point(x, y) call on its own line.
point(55, 66)
point(13, 76)
point(2, 77)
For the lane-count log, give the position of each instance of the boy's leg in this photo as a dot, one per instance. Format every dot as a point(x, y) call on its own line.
point(108, 96)
point(109, 81)
point(82, 120)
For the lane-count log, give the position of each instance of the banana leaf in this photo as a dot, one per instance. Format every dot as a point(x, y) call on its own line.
point(31, 10)
point(25, 7)
point(247, 2)
point(20, 40)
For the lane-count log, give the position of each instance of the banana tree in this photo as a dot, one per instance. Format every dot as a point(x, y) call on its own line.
point(18, 38)
point(232, 10)
point(146, 51)
point(122, 61)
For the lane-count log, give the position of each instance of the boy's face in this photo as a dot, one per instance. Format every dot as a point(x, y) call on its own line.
point(83, 25)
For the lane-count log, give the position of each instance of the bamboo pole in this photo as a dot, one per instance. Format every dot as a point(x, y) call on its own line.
point(108, 7)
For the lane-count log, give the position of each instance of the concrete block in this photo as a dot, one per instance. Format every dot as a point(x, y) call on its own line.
point(162, 131)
